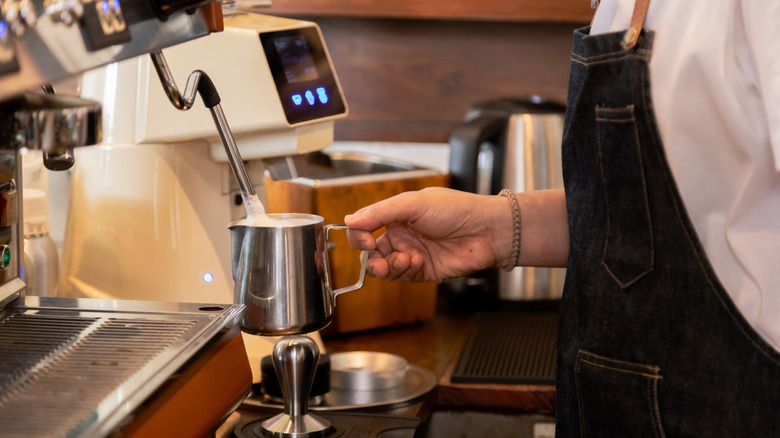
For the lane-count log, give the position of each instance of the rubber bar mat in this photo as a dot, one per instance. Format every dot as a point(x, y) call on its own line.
point(509, 348)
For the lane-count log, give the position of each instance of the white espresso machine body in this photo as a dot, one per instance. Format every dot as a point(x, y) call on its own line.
point(150, 207)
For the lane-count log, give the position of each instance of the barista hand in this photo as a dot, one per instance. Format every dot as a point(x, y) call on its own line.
point(436, 234)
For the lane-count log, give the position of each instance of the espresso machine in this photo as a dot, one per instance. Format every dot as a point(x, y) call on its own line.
point(163, 186)
point(81, 367)
point(160, 191)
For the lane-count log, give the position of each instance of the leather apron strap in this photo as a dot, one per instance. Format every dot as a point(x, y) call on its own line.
point(637, 21)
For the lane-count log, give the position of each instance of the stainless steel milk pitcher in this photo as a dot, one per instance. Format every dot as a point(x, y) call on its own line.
point(282, 276)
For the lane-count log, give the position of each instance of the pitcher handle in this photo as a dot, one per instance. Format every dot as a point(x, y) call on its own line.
point(363, 261)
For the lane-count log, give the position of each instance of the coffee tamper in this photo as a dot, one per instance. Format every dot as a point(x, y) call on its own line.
point(295, 362)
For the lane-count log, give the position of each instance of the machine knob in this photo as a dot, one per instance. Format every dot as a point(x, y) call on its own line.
point(64, 11)
point(20, 15)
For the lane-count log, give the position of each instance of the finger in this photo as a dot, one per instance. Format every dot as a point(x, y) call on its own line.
point(399, 208)
point(399, 265)
point(384, 246)
point(415, 271)
point(377, 266)
point(360, 239)
point(416, 268)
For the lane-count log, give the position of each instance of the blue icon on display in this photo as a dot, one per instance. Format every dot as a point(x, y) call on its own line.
point(322, 94)
point(309, 97)
point(105, 6)
point(297, 99)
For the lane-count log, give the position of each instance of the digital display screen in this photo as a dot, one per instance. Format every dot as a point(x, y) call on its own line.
point(296, 57)
point(302, 74)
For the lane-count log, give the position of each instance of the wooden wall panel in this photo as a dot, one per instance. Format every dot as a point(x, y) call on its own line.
point(413, 80)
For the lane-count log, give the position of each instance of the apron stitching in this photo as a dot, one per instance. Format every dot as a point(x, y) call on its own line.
point(608, 226)
point(637, 145)
point(604, 119)
point(653, 368)
point(591, 61)
point(579, 393)
point(656, 411)
point(616, 55)
point(646, 200)
point(620, 282)
point(620, 370)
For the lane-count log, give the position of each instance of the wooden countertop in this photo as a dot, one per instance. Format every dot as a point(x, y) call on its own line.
point(435, 345)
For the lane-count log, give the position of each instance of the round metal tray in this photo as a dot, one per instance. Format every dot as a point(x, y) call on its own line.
point(417, 382)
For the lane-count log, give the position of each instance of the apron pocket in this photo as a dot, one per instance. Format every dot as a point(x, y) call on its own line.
point(628, 247)
point(616, 398)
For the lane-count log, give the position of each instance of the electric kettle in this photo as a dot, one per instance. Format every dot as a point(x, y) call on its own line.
point(513, 144)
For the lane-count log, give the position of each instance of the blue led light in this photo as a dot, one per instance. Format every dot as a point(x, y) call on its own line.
point(105, 6)
point(323, 95)
point(116, 5)
point(3, 29)
point(309, 97)
point(297, 99)
point(208, 277)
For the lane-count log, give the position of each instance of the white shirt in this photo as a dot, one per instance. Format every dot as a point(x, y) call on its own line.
point(715, 85)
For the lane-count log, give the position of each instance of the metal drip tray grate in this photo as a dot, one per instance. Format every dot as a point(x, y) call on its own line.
point(509, 348)
point(26, 340)
point(73, 373)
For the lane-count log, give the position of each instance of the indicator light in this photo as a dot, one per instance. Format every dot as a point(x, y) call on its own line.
point(208, 277)
point(5, 256)
point(323, 95)
point(310, 97)
point(105, 6)
point(116, 5)
point(297, 99)
point(3, 29)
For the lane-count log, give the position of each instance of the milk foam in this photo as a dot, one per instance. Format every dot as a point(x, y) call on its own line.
point(256, 216)
point(254, 207)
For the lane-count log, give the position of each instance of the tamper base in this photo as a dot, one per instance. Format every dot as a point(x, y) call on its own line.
point(286, 426)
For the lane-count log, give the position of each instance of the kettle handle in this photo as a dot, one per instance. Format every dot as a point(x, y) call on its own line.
point(363, 261)
point(465, 142)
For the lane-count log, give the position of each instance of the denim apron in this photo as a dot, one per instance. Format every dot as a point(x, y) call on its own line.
point(650, 344)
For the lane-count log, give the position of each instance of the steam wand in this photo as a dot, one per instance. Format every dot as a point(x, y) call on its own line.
point(199, 82)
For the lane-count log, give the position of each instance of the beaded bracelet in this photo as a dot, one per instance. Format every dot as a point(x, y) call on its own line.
point(516, 226)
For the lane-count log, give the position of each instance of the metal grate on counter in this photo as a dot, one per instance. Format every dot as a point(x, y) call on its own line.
point(509, 348)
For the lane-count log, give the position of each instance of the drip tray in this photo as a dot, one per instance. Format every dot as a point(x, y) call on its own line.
point(76, 367)
point(509, 348)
